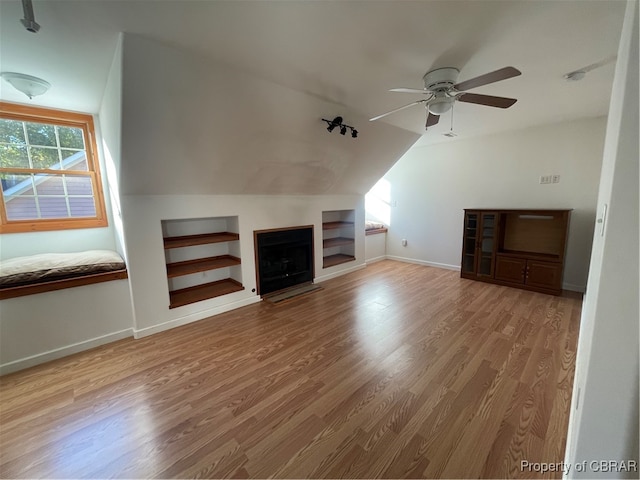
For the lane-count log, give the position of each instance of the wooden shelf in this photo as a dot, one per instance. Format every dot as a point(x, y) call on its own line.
point(185, 296)
point(334, 260)
point(334, 225)
point(548, 257)
point(336, 242)
point(375, 231)
point(52, 285)
point(201, 239)
point(178, 269)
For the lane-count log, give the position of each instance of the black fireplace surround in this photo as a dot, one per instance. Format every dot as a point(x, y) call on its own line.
point(284, 258)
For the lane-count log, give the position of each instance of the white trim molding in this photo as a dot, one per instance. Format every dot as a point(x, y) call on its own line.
point(194, 317)
point(424, 262)
point(329, 276)
point(34, 360)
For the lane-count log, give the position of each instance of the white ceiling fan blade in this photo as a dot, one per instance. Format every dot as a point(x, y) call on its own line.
point(410, 90)
point(398, 109)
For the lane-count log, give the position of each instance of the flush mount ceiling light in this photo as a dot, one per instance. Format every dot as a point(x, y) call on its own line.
point(27, 84)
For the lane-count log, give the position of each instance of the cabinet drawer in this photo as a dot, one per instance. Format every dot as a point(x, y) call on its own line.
point(544, 274)
point(510, 269)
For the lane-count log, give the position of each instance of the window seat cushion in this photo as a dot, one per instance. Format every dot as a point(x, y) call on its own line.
point(53, 271)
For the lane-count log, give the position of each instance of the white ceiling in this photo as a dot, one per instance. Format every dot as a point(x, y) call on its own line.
point(345, 52)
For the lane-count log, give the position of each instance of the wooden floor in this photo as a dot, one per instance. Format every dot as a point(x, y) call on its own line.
point(397, 370)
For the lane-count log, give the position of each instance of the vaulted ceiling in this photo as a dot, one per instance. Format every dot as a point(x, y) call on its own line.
point(344, 54)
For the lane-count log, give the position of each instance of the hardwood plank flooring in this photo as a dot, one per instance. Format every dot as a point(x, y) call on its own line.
point(394, 371)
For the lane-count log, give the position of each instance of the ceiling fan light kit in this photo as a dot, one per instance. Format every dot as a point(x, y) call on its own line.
point(442, 92)
point(29, 85)
point(440, 105)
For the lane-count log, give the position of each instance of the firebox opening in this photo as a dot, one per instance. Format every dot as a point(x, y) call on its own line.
point(284, 258)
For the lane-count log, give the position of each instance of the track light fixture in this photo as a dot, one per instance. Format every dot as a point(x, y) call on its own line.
point(337, 122)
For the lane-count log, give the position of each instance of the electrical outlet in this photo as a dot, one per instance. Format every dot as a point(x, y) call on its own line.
point(555, 179)
point(404, 242)
point(544, 179)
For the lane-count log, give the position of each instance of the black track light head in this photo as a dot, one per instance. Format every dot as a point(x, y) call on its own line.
point(336, 122)
point(343, 130)
point(354, 133)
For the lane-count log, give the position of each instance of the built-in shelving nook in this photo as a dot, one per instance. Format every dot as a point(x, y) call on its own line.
point(338, 237)
point(202, 257)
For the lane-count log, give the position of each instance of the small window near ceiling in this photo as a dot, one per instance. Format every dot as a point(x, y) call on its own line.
point(49, 170)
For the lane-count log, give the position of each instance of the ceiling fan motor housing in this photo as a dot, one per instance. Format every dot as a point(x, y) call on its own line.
point(441, 79)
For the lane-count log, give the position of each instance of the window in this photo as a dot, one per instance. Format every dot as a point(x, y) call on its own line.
point(49, 170)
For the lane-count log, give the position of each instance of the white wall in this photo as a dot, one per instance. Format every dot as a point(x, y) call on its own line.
point(111, 127)
point(604, 408)
point(375, 247)
point(42, 327)
point(431, 185)
point(142, 220)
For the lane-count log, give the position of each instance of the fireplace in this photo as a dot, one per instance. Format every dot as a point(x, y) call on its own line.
point(284, 258)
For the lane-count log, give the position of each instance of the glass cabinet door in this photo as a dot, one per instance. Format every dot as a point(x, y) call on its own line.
point(470, 243)
point(487, 235)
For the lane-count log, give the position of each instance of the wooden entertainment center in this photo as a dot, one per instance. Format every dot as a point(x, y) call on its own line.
point(517, 248)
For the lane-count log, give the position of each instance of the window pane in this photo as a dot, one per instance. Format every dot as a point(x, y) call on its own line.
point(53, 207)
point(49, 185)
point(74, 160)
point(14, 156)
point(78, 185)
point(82, 207)
point(13, 184)
point(21, 208)
point(44, 157)
point(41, 134)
point(71, 137)
point(11, 131)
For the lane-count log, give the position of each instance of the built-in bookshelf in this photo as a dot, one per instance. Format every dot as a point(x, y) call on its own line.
point(202, 258)
point(338, 237)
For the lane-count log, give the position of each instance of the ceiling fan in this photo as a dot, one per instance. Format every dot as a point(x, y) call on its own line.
point(442, 92)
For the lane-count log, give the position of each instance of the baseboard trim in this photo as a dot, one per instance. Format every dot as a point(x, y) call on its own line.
point(339, 273)
point(424, 262)
point(574, 288)
point(376, 259)
point(194, 317)
point(34, 360)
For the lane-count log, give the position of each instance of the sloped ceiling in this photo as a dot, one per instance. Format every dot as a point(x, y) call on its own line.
point(314, 59)
point(193, 127)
